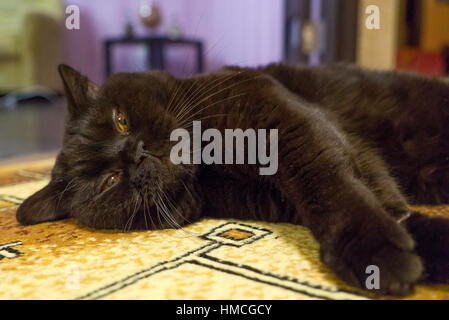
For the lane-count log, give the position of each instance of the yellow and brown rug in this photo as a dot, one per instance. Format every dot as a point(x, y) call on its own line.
point(210, 259)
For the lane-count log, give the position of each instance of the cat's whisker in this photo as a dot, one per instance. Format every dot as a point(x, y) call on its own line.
point(127, 222)
point(191, 117)
point(169, 218)
point(136, 201)
point(217, 92)
point(161, 213)
point(190, 123)
point(201, 91)
point(186, 92)
point(173, 96)
point(69, 186)
point(145, 214)
point(181, 105)
point(153, 225)
point(176, 93)
point(165, 211)
point(158, 210)
point(187, 189)
point(172, 100)
point(206, 52)
point(148, 211)
point(206, 90)
point(132, 214)
point(179, 214)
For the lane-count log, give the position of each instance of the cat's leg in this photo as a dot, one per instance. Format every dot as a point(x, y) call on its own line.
point(424, 181)
point(319, 175)
point(431, 235)
point(355, 232)
point(316, 173)
point(374, 172)
point(345, 216)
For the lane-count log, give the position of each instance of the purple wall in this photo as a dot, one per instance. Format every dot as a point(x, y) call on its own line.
point(248, 32)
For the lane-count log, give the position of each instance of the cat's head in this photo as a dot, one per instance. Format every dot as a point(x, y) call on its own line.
point(114, 169)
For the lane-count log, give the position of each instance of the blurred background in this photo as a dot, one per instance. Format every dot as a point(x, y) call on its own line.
point(183, 37)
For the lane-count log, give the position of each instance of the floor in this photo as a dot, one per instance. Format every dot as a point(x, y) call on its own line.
point(32, 127)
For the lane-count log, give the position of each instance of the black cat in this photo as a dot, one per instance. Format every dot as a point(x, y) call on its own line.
point(335, 125)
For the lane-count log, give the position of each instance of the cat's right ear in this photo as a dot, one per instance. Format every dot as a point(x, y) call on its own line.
point(47, 204)
point(79, 90)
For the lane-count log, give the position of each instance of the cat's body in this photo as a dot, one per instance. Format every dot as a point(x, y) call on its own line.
point(115, 171)
point(405, 116)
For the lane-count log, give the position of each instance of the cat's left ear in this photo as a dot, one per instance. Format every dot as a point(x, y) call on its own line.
point(44, 205)
point(79, 90)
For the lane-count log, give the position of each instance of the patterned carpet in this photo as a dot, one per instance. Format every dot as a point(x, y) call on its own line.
point(211, 259)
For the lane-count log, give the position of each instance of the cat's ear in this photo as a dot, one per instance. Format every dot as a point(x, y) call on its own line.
point(79, 90)
point(44, 205)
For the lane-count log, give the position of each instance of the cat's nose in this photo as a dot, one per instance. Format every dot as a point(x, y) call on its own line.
point(141, 152)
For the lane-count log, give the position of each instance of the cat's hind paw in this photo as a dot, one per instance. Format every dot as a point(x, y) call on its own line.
point(431, 237)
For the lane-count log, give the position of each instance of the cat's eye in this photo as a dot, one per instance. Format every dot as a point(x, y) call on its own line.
point(110, 181)
point(121, 122)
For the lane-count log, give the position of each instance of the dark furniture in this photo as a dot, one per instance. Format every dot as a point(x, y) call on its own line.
point(338, 38)
point(156, 46)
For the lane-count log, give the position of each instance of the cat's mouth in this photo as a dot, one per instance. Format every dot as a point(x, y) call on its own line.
point(149, 165)
point(151, 177)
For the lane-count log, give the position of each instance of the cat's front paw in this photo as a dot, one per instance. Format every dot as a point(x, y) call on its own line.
point(383, 263)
